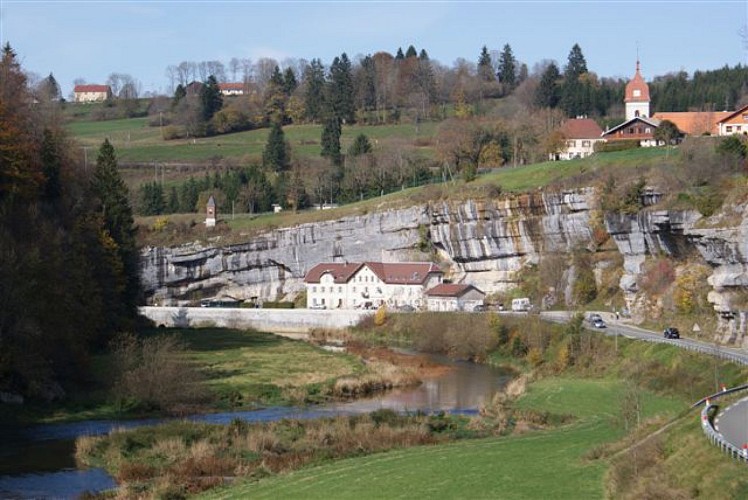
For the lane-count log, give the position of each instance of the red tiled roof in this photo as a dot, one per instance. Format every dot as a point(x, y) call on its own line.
point(695, 122)
point(732, 114)
point(402, 273)
point(637, 83)
point(450, 290)
point(91, 88)
point(341, 273)
point(231, 86)
point(581, 128)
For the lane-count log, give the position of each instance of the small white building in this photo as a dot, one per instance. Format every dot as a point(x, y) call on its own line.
point(230, 89)
point(454, 297)
point(210, 212)
point(580, 136)
point(92, 93)
point(734, 123)
point(369, 285)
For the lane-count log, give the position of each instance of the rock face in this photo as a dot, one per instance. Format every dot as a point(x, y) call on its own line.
point(484, 243)
point(481, 243)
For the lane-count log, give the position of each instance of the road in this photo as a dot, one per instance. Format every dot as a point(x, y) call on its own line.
point(732, 422)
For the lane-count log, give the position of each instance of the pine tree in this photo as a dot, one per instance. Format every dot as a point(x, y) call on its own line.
point(411, 52)
point(51, 167)
point(172, 206)
point(360, 146)
point(341, 89)
point(314, 78)
point(547, 92)
point(507, 68)
point(275, 155)
point(485, 67)
point(211, 100)
point(399, 56)
point(114, 208)
point(289, 82)
point(575, 94)
point(423, 56)
point(331, 140)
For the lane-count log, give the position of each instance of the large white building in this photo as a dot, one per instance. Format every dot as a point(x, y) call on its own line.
point(370, 284)
point(92, 93)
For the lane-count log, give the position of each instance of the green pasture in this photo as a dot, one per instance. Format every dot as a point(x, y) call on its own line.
point(541, 464)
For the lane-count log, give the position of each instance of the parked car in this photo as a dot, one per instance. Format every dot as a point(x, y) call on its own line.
point(671, 333)
point(599, 323)
point(480, 308)
point(592, 317)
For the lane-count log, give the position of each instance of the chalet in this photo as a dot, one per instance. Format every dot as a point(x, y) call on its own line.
point(229, 89)
point(92, 93)
point(369, 285)
point(454, 297)
point(580, 136)
point(734, 123)
point(638, 128)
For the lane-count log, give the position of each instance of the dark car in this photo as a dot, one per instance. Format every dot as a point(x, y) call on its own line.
point(671, 333)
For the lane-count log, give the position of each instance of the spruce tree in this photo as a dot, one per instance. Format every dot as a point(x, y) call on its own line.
point(116, 214)
point(289, 82)
point(399, 56)
point(275, 155)
point(314, 77)
point(341, 89)
point(508, 68)
point(211, 100)
point(575, 95)
point(331, 140)
point(361, 146)
point(547, 92)
point(485, 68)
point(411, 52)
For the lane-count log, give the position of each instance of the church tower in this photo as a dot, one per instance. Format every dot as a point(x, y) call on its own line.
point(637, 96)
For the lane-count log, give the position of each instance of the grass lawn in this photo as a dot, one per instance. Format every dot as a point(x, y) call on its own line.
point(539, 464)
point(260, 365)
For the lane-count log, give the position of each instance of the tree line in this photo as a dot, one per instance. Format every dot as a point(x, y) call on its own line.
point(69, 266)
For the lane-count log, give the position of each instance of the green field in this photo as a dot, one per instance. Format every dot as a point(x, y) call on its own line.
point(137, 142)
point(539, 464)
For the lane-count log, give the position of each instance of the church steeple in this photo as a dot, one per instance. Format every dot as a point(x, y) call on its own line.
point(637, 96)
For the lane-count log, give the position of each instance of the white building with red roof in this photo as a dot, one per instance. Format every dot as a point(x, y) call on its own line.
point(579, 136)
point(230, 89)
point(454, 297)
point(734, 123)
point(636, 96)
point(369, 285)
point(92, 93)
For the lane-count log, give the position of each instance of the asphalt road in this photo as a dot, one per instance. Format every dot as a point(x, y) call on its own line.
point(732, 423)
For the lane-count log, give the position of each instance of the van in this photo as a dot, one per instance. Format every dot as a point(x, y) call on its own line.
point(521, 305)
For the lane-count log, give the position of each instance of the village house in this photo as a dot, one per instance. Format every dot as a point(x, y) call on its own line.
point(694, 123)
point(92, 93)
point(369, 285)
point(230, 89)
point(454, 297)
point(735, 122)
point(580, 136)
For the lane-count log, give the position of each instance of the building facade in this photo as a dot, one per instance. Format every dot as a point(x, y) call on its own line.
point(369, 285)
point(92, 93)
point(580, 136)
point(454, 297)
point(734, 123)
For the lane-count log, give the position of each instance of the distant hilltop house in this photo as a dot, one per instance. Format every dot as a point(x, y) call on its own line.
point(579, 138)
point(92, 93)
point(579, 134)
point(229, 89)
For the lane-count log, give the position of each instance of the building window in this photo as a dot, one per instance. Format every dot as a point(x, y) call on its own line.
point(745, 117)
point(737, 128)
point(354, 289)
point(585, 144)
point(637, 93)
point(340, 289)
point(636, 113)
point(728, 128)
point(322, 289)
point(570, 144)
point(314, 289)
point(647, 130)
point(631, 131)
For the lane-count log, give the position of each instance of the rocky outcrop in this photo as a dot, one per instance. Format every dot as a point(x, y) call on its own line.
point(482, 243)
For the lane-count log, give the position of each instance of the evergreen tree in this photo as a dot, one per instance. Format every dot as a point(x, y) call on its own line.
point(360, 146)
point(179, 93)
point(507, 68)
point(411, 52)
point(211, 100)
point(485, 67)
point(365, 82)
point(49, 89)
point(289, 82)
point(547, 94)
point(314, 78)
point(152, 199)
point(172, 206)
point(114, 208)
point(399, 56)
point(331, 140)
point(341, 89)
point(51, 167)
point(577, 64)
point(275, 155)
point(575, 94)
point(423, 56)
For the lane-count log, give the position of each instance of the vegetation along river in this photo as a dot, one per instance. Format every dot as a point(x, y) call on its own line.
point(38, 462)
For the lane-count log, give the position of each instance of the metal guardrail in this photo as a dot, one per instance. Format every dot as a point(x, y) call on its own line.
point(713, 434)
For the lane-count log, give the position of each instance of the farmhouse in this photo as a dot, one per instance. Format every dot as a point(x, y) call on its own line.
point(694, 122)
point(454, 297)
point(579, 136)
point(92, 93)
point(229, 89)
point(369, 285)
point(734, 123)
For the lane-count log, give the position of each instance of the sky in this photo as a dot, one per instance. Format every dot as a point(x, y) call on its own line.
point(92, 39)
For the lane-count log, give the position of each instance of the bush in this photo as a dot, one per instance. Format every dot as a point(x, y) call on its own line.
point(270, 304)
point(609, 147)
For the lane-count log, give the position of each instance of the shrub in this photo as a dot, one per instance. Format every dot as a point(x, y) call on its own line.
point(609, 147)
point(270, 304)
point(380, 317)
point(658, 274)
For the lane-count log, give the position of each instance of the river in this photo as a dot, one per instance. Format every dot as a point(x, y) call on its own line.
point(38, 462)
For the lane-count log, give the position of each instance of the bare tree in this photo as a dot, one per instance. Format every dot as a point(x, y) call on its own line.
point(217, 69)
point(172, 74)
point(263, 71)
point(234, 66)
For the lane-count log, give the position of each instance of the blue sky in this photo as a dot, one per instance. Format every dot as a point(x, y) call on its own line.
point(91, 39)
